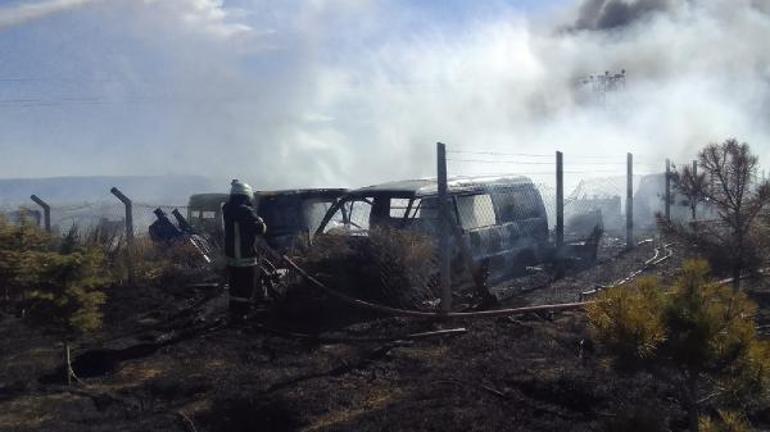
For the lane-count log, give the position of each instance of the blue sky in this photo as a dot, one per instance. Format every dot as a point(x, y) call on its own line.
point(87, 86)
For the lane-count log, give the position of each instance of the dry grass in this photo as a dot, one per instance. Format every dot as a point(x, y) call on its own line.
point(376, 399)
point(389, 265)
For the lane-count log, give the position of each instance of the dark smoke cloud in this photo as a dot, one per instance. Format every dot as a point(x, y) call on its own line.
point(610, 14)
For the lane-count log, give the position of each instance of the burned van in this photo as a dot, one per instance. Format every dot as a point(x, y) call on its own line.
point(293, 216)
point(204, 213)
point(501, 220)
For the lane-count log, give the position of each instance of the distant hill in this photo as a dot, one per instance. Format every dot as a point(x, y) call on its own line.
point(169, 190)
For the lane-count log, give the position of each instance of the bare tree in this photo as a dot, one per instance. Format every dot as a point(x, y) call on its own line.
point(729, 184)
point(692, 185)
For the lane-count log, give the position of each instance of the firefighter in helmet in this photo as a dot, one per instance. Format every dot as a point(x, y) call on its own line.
point(242, 229)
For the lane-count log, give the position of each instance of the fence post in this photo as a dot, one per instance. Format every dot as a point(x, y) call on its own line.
point(559, 201)
point(668, 190)
point(129, 232)
point(559, 212)
point(46, 211)
point(445, 281)
point(629, 201)
point(129, 214)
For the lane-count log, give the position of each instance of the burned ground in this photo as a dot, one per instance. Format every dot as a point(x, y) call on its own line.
point(524, 372)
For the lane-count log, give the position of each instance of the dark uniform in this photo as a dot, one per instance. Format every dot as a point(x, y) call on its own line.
point(242, 226)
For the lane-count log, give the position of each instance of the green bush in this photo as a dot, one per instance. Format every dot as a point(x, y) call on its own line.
point(56, 283)
point(726, 422)
point(699, 336)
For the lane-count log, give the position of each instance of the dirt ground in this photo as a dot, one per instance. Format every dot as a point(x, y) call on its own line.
point(525, 372)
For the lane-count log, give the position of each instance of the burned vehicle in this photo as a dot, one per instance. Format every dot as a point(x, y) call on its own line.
point(204, 214)
point(293, 216)
point(501, 222)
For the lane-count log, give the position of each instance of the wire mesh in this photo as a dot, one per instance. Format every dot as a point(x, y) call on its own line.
point(503, 208)
point(594, 185)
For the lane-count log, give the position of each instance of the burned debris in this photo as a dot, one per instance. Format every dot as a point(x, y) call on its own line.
point(339, 270)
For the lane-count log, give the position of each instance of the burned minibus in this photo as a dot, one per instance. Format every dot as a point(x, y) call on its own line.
point(204, 214)
point(501, 220)
point(292, 216)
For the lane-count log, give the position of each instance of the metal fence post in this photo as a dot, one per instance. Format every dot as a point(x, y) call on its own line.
point(629, 201)
point(668, 190)
point(559, 202)
point(129, 214)
point(46, 211)
point(559, 214)
point(445, 281)
point(129, 232)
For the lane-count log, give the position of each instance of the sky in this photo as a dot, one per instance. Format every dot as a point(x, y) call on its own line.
point(353, 92)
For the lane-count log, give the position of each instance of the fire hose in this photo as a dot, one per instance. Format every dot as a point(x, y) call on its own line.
point(427, 315)
point(653, 261)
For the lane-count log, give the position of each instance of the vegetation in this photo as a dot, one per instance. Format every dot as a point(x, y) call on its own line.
point(699, 335)
point(692, 184)
point(389, 265)
point(728, 182)
point(56, 283)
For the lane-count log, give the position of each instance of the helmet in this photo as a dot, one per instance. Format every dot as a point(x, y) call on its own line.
point(238, 187)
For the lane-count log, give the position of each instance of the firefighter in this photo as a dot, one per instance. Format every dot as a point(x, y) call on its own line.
point(242, 229)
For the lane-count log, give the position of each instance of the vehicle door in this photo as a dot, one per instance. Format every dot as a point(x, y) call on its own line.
point(523, 223)
point(478, 221)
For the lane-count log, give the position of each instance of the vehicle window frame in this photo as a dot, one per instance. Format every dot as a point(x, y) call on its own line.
point(458, 216)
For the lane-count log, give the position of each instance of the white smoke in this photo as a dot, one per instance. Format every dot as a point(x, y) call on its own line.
point(328, 93)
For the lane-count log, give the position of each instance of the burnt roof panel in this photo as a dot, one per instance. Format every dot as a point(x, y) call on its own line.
point(428, 186)
point(318, 192)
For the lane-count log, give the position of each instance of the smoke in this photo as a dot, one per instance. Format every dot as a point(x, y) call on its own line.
point(608, 14)
point(337, 92)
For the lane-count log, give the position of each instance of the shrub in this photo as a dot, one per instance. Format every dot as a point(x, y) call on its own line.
point(700, 336)
point(629, 321)
point(57, 283)
point(389, 265)
point(726, 422)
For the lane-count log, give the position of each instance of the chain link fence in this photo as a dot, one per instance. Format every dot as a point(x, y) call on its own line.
point(505, 212)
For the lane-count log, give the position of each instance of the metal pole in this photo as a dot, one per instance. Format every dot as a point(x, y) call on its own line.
point(668, 190)
point(629, 201)
point(46, 211)
point(695, 177)
point(559, 215)
point(129, 214)
point(559, 203)
point(68, 363)
point(445, 281)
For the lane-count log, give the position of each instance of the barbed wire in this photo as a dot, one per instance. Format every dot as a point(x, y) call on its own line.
point(499, 161)
point(581, 156)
